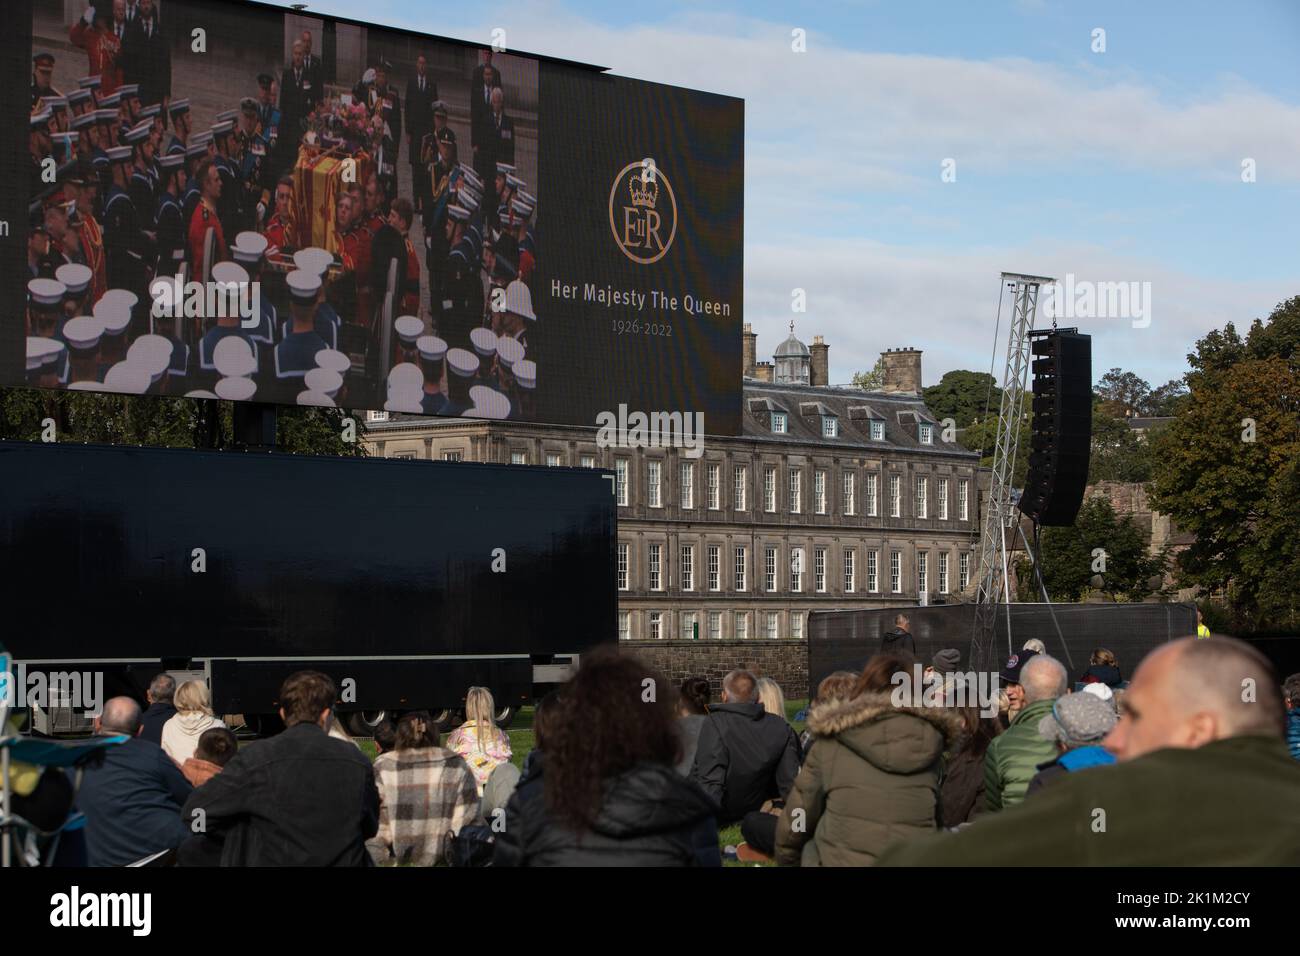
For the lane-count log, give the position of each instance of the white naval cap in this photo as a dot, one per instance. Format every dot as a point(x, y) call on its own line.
point(487, 403)
point(42, 351)
point(233, 357)
point(406, 399)
point(83, 333)
point(46, 293)
point(484, 342)
point(405, 374)
point(319, 399)
point(431, 347)
point(409, 328)
point(519, 301)
point(323, 381)
point(462, 362)
point(74, 276)
point(334, 360)
point(230, 272)
point(526, 373)
point(114, 313)
point(303, 286)
point(236, 389)
point(313, 259)
point(129, 378)
point(152, 353)
point(249, 247)
point(510, 350)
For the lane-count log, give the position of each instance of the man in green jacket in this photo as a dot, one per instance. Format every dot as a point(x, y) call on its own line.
point(1203, 779)
point(1013, 757)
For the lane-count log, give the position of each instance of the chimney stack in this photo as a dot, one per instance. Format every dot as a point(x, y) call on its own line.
point(749, 351)
point(820, 371)
point(764, 371)
point(902, 371)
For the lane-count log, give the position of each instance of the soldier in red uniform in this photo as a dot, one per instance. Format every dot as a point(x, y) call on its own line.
point(280, 232)
point(94, 33)
point(205, 218)
point(354, 250)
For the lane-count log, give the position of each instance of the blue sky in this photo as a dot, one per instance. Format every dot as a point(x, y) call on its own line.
point(1119, 166)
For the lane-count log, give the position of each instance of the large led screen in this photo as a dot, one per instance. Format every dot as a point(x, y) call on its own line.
point(226, 200)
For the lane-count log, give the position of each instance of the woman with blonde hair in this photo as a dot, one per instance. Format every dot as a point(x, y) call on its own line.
point(180, 735)
point(482, 744)
point(426, 794)
point(771, 697)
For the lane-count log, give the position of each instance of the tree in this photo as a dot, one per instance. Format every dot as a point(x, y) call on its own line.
point(1226, 473)
point(166, 422)
point(1099, 543)
point(873, 380)
point(964, 396)
point(982, 437)
point(1164, 401)
point(1118, 452)
point(1122, 393)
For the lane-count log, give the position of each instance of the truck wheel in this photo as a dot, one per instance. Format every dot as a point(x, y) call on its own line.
point(505, 717)
point(363, 722)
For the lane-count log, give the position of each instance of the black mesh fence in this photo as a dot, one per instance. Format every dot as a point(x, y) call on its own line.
point(844, 640)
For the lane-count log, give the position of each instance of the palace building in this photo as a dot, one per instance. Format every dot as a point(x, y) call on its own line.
point(834, 497)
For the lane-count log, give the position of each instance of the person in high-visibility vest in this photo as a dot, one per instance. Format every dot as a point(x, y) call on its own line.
point(1201, 630)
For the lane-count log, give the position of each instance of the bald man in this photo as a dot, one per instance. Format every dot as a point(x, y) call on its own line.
point(131, 793)
point(1204, 779)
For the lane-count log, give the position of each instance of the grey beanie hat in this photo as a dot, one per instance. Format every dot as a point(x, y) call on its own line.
point(1078, 720)
point(946, 660)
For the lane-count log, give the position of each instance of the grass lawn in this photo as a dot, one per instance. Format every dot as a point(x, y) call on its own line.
point(521, 741)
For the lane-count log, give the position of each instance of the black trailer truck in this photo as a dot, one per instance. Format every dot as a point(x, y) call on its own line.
point(406, 581)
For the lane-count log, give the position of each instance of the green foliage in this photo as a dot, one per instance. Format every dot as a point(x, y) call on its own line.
point(982, 437)
point(1070, 558)
point(1227, 473)
point(872, 380)
point(1118, 452)
point(964, 396)
point(1122, 393)
point(91, 417)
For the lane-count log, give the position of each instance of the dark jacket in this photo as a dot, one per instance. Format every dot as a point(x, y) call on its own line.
point(300, 798)
point(650, 816)
point(147, 60)
point(1102, 674)
point(1229, 803)
point(744, 756)
point(152, 720)
point(897, 641)
point(419, 111)
point(1014, 755)
point(131, 795)
point(871, 777)
point(961, 795)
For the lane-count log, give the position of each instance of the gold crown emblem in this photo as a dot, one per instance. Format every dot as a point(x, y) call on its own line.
point(644, 191)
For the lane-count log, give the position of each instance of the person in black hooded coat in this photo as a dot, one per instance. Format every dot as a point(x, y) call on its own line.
point(606, 793)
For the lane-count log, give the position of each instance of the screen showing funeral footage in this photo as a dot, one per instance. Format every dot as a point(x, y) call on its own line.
point(226, 200)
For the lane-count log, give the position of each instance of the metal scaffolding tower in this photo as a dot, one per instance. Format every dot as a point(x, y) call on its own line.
point(995, 577)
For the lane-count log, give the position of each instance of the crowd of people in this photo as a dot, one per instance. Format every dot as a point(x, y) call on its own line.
point(127, 191)
point(1178, 766)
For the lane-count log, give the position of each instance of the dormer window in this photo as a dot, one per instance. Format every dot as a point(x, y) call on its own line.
point(830, 426)
point(778, 423)
point(877, 431)
point(927, 433)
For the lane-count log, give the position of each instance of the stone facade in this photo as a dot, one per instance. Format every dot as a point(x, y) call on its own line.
point(786, 662)
point(832, 498)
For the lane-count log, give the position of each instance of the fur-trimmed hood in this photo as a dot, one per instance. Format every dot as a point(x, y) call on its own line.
point(903, 739)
